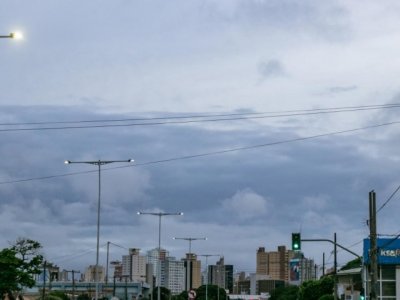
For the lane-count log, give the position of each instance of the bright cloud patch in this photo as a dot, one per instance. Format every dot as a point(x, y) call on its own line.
point(246, 204)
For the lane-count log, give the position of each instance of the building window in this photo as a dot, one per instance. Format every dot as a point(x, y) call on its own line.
point(387, 282)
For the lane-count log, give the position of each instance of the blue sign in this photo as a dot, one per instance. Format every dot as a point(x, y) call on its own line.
point(388, 251)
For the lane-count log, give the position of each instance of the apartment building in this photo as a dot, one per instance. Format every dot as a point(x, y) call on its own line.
point(134, 266)
point(274, 264)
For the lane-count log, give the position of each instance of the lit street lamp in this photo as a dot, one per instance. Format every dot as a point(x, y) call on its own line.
point(159, 214)
point(98, 163)
point(12, 35)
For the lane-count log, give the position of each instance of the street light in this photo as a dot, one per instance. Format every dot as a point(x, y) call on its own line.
point(207, 256)
point(98, 163)
point(13, 35)
point(159, 215)
point(190, 239)
point(189, 258)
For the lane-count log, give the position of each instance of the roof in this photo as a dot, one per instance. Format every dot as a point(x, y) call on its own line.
point(349, 272)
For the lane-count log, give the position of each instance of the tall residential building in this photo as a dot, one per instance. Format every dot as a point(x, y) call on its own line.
point(192, 271)
point(275, 264)
point(221, 275)
point(90, 273)
point(153, 258)
point(302, 269)
point(261, 263)
point(134, 266)
point(239, 279)
point(117, 266)
point(174, 275)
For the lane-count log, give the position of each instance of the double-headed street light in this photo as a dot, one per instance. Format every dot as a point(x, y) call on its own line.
point(159, 215)
point(190, 239)
point(189, 258)
point(98, 163)
point(12, 35)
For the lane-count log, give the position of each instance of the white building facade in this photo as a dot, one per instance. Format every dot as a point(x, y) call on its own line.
point(134, 266)
point(174, 275)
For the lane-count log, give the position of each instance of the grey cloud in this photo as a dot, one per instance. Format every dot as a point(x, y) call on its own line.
point(342, 89)
point(331, 168)
point(271, 68)
point(327, 20)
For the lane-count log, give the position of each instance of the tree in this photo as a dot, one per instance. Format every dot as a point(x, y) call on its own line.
point(285, 293)
point(355, 263)
point(182, 296)
point(327, 297)
point(164, 293)
point(314, 289)
point(212, 292)
point(18, 264)
point(83, 297)
point(58, 294)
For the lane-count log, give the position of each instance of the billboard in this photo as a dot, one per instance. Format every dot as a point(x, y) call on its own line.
point(294, 265)
point(388, 251)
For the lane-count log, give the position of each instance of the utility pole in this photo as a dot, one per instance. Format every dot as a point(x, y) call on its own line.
point(334, 242)
point(108, 251)
point(335, 294)
point(73, 281)
point(373, 251)
point(44, 280)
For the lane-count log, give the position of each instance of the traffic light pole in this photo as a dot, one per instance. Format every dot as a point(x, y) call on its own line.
point(334, 242)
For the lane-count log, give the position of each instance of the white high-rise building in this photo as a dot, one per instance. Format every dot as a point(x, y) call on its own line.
point(152, 258)
point(90, 273)
point(134, 266)
point(173, 275)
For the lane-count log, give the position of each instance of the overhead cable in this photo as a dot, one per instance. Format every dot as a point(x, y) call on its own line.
point(209, 153)
point(189, 119)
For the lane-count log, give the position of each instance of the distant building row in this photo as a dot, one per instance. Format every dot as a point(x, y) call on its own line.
point(157, 267)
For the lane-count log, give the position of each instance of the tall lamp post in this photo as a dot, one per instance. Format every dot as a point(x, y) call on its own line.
point(98, 163)
point(190, 239)
point(159, 215)
point(207, 256)
point(189, 263)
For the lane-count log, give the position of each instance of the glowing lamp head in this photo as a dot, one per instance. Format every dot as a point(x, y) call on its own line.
point(16, 35)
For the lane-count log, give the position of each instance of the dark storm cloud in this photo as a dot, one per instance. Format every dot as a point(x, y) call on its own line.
point(306, 184)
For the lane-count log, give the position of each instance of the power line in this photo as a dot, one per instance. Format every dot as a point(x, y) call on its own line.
point(387, 201)
point(208, 153)
point(209, 115)
point(72, 256)
point(192, 119)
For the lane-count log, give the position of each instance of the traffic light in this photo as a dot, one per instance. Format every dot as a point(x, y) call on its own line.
point(296, 241)
point(362, 294)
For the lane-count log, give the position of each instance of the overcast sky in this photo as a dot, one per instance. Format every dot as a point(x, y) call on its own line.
point(242, 183)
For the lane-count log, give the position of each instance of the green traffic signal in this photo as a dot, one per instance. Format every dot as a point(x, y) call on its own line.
point(362, 294)
point(296, 241)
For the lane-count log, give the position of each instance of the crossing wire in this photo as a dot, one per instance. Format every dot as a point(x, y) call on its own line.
point(209, 153)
